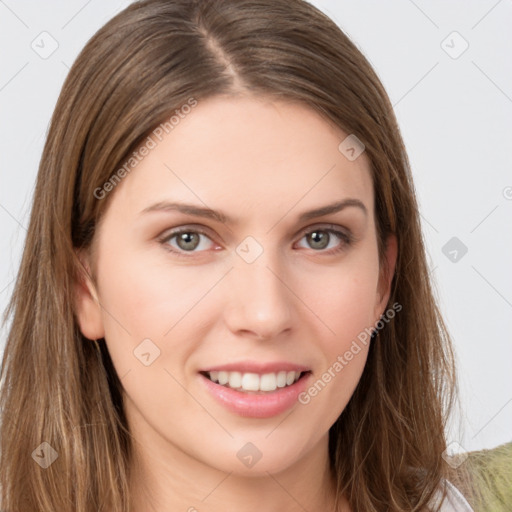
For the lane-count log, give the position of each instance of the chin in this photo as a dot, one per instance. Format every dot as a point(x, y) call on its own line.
point(257, 455)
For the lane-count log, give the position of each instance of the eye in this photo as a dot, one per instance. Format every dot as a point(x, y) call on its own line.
point(322, 238)
point(186, 240)
point(328, 240)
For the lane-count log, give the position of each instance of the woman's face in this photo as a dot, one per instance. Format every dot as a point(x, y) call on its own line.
point(255, 291)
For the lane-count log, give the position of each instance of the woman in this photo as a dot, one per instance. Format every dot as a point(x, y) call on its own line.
point(223, 301)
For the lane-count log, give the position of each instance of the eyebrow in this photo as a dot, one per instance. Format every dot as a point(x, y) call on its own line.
point(198, 211)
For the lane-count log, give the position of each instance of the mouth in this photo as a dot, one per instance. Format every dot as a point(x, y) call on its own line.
point(256, 390)
point(255, 383)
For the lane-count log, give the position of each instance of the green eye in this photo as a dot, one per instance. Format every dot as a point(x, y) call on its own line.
point(187, 241)
point(320, 239)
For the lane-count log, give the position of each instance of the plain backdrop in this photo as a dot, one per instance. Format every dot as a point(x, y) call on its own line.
point(447, 69)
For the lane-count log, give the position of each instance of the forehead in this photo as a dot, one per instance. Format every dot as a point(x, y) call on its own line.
point(249, 156)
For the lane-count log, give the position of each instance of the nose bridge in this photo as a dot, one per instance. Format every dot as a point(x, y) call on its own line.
point(260, 301)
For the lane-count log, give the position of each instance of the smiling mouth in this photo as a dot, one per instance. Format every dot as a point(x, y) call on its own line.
point(248, 382)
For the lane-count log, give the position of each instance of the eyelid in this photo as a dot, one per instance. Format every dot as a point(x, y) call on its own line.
point(196, 228)
point(326, 227)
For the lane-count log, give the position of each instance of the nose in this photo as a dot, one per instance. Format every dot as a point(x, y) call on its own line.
point(260, 302)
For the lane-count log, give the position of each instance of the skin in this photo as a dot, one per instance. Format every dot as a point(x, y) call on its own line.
point(263, 163)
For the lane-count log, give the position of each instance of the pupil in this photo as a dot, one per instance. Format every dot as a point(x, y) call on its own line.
point(317, 237)
point(186, 241)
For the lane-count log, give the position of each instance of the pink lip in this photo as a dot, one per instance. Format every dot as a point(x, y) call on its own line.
point(260, 368)
point(255, 405)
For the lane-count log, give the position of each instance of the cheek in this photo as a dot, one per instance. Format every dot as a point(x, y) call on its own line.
point(151, 315)
point(346, 306)
point(343, 296)
point(146, 299)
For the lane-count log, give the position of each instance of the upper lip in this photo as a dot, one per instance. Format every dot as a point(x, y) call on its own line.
point(256, 367)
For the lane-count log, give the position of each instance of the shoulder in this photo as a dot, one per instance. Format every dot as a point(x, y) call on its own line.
point(454, 500)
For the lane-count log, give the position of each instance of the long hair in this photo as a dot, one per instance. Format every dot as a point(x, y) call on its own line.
point(59, 388)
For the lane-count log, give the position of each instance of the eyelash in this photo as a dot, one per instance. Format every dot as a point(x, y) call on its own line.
point(345, 238)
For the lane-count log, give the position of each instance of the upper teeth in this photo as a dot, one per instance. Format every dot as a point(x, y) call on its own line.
point(254, 381)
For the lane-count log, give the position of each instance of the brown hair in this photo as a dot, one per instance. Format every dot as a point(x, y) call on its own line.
point(60, 388)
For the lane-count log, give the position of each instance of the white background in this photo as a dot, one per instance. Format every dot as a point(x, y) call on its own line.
point(456, 119)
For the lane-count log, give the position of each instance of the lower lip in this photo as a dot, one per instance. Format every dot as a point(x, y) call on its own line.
point(254, 405)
